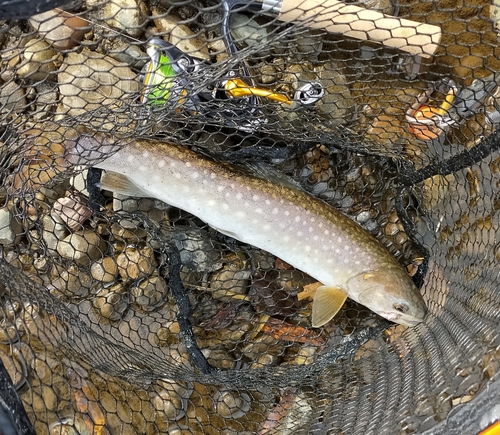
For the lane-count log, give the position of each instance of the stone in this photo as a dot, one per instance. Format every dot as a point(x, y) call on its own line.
point(90, 81)
point(12, 98)
point(53, 231)
point(136, 263)
point(72, 211)
point(149, 293)
point(7, 235)
point(82, 247)
point(128, 16)
point(181, 36)
point(40, 61)
point(60, 29)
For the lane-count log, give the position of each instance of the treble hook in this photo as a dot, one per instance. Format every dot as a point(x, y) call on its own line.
point(429, 122)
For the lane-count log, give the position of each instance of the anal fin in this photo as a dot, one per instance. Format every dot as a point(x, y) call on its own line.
point(119, 183)
point(326, 303)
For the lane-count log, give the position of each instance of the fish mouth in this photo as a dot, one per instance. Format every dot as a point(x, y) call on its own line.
point(404, 319)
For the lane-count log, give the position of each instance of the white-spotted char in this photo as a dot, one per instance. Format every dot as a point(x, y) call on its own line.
point(300, 229)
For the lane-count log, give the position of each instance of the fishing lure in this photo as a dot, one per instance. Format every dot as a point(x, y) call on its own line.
point(429, 122)
point(171, 79)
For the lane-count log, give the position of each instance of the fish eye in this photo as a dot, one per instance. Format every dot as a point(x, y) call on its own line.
point(401, 308)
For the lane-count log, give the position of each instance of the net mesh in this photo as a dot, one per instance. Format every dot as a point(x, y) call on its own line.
point(122, 314)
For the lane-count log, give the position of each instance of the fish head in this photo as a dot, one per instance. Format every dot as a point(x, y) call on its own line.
point(390, 293)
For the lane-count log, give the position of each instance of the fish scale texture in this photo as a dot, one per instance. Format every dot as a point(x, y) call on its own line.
point(164, 171)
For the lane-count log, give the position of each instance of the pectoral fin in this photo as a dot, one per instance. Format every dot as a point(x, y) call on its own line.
point(119, 183)
point(327, 302)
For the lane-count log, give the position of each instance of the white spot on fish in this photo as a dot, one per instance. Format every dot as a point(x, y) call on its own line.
point(339, 239)
point(307, 248)
point(268, 202)
point(240, 214)
point(313, 219)
point(282, 224)
point(266, 227)
point(225, 206)
point(316, 237)
point(227, 195)
point(346, 260)
point(297, 218)
point(347, 247)
point(232, 186)
point(161, 163)
point(259, 210)
point(211, 202)
point(311, 229)
point(275, 210)
point(326, 232)
point(220, 188)
point(177, 175)
point(287, 213)
point(329, 261)
point(172, 164)
point(299, 234)
point(239, 196)
point(255, 197)
point(254, 221)
point(145, 154)
point(337, 251)
point(357, 262)
point(286, 238)
point(195, 175)
point(213, 175)
point(188, 164)
point(130, 158)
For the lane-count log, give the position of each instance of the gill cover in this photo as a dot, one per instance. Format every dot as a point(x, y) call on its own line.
point(389, 292)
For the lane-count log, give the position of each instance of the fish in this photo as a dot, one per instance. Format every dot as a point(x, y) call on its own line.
point(289, 223)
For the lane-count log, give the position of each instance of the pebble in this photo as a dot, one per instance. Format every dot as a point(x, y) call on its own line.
point(12, 98)
point(136, 263)
point(112, 302)
point(104, 269)
point(128, 230)
point(247, 30)
point(128, 16)
point(46, 101)
point(60, 29)
point(231, 279)
point(72, 211)
point(149, 293)
point(40, 60)
point(132, 55)
point(170, 400)
point(232, 404)
point(82, 247)
point(90, 81)
point(53, 232)
point(180, 35)
point(197, 250)
point(71, 282)
point(7, 234)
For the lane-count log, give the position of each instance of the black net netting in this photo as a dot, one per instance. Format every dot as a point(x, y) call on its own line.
point(245, 217)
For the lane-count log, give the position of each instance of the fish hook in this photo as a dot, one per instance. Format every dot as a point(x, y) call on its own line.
point(429, 122)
